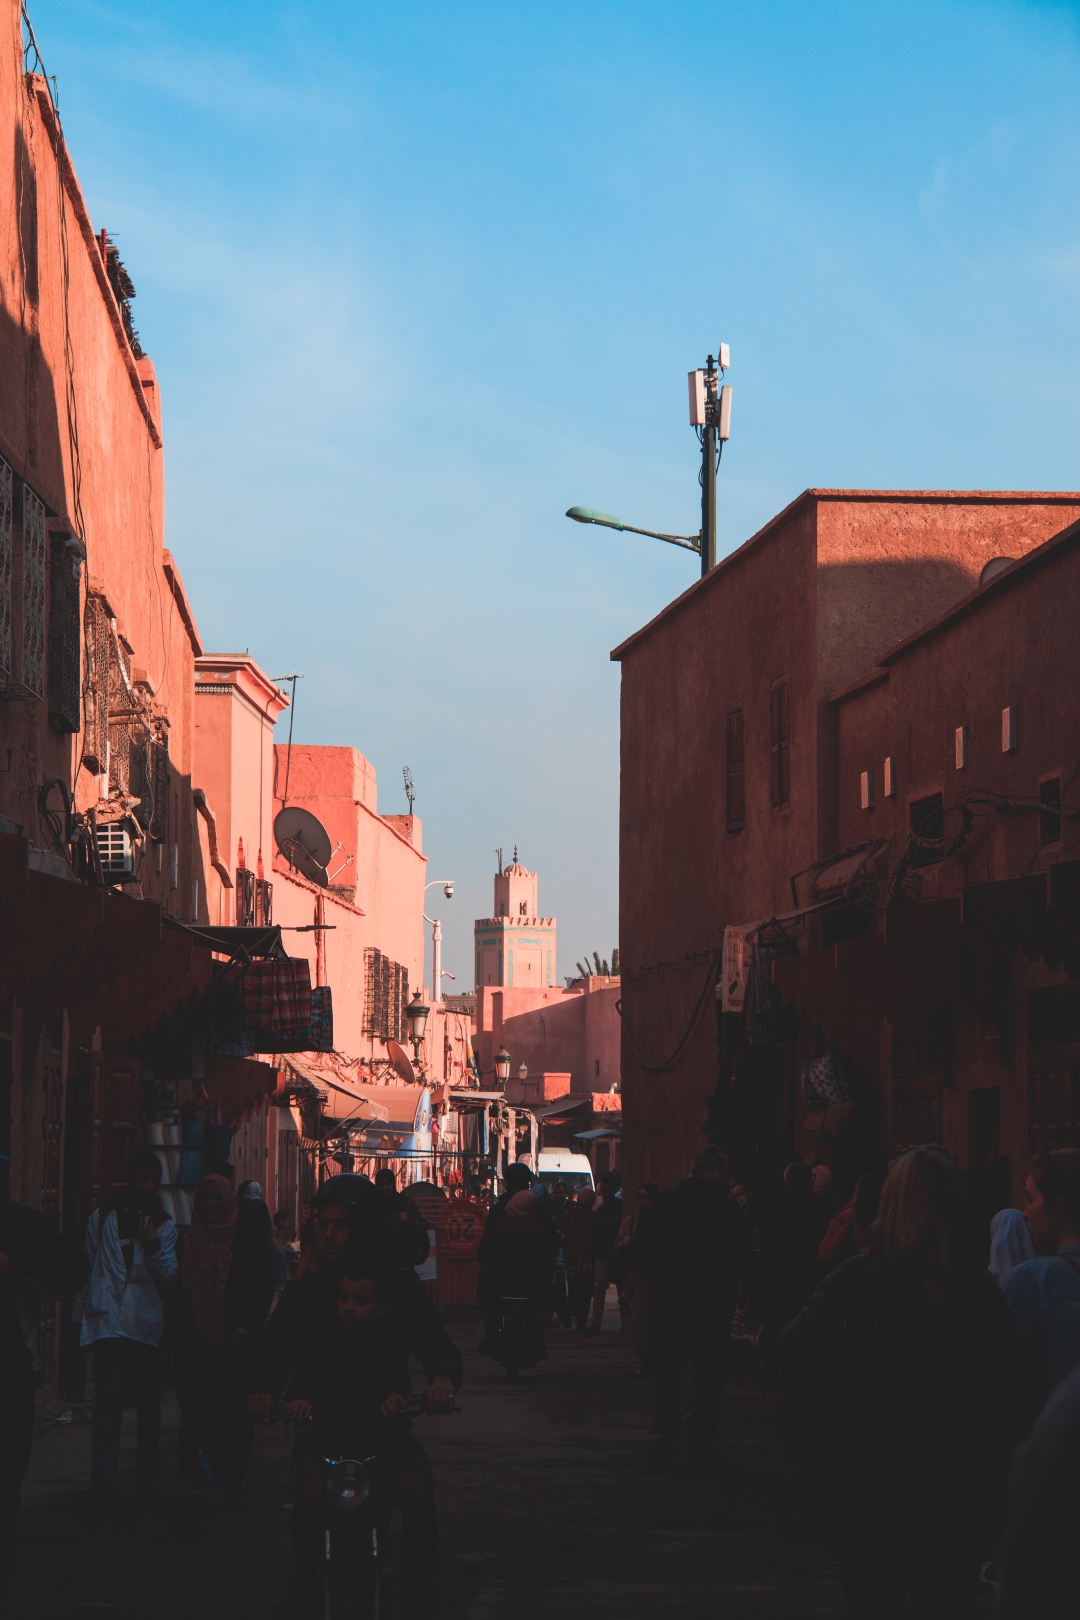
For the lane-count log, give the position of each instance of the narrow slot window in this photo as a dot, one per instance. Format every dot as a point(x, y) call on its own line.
point(736, 785)
point(780, 741)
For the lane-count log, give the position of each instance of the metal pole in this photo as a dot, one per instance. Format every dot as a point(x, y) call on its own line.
point(708, 473)
point(436, 959)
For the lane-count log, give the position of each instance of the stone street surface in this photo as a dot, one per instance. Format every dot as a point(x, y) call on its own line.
point(546, 1503)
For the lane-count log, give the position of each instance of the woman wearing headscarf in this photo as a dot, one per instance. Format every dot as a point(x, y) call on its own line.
point(906, 1359)
point(1010, 1243)
point(226, 1285)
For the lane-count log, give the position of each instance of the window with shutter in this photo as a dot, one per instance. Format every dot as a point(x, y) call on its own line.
point(736, 790)
point(780, 745)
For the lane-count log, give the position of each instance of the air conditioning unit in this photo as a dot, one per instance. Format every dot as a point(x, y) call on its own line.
point(116, 851)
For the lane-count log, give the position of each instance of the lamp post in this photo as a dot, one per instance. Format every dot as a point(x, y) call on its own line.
point(710, 416)
point(447, 886)
point(417, 1015)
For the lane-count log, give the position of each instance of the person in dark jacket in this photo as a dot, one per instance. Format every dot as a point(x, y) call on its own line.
point(607, 1219)
point(791, 1233)
point(343, 1227)
point(906, 1358)
point(32, 1256)
point(226, 1285)
point(518, 1253)
point(353, 1386)
point(403, 1233)
point(1040, 1577)
point(694, 1244)
point(252, 1209)
point(578, 1257)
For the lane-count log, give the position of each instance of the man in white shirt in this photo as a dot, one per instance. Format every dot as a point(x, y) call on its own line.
point(131, 1247)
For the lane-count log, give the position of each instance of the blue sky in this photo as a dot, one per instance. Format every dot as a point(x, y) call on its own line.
point(416, 279)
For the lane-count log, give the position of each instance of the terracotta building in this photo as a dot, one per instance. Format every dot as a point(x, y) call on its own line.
point(166, 977)
point(737, 812)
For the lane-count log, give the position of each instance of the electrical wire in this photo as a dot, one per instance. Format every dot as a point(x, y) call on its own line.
point(669, 1063)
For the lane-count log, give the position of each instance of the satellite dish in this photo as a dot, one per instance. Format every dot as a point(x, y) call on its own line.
point(400, 1059)
point(302, 839)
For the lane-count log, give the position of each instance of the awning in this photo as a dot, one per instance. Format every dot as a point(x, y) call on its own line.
point(239, 1086)
point(313, 1077)
point(239, 943)
point(598, 1135)
point(549, 1110)
point(460, 1097)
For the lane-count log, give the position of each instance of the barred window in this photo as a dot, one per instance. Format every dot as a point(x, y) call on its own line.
point(119, 759)
point(65, 653)
point(6, 560)
point(96, 688)
point(386, 995)
point(264, 903)
point(157, 825)
point(33, 593)
point(245, 897)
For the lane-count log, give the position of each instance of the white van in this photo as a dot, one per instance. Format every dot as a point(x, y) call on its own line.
point(559, 1164)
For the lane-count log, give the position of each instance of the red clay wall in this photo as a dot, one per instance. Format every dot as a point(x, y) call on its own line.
point(117, 412)
point(834, 575)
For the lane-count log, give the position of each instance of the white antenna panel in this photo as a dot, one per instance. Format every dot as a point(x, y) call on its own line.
point(696, 382)
point(723, 359)
point(724, 431)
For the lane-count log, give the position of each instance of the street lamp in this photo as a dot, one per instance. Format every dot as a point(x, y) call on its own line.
point(502, 1064)
point(417, 1015)
point(523, 1073)
point(710, 416)
point(447, 886)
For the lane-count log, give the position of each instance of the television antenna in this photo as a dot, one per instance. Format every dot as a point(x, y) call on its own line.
point(279, 680)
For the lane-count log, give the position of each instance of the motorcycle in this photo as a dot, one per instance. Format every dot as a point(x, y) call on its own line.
point(355, 1580)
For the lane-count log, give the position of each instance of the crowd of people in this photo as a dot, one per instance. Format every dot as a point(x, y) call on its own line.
point(916, 1351)
point(253, 1330)
point(920, 1355)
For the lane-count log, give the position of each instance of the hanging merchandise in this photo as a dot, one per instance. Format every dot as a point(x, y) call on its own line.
point(277, 1005)
point(292, 994)
point(322, 1020)
point(736, 967)
point(766, 1018)
point(824, 1081)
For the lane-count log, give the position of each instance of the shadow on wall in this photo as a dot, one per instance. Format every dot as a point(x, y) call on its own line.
point(865, 608)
